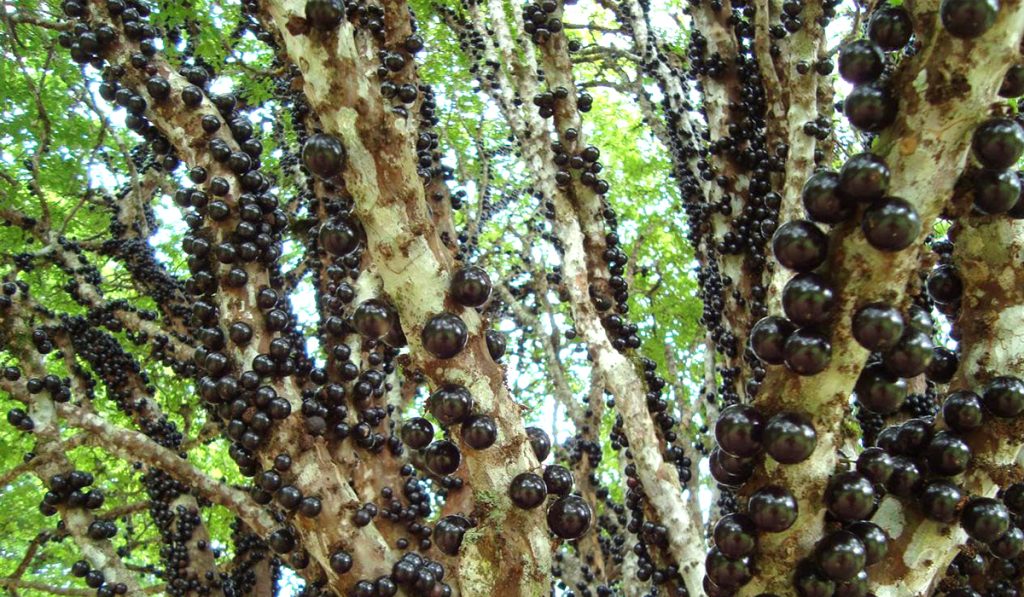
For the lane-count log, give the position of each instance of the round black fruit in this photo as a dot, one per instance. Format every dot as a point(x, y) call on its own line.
point(877, 326)
point(417, 433)
point(997, 142)
point(996, 191)
point(735, 535)
point(800, 245)
point(968, 19)
point(985, 519)
point(442, 457)
point(1004, 396)
point(527, 490)
point(850, 496)
point(772, 508)
point(323, 155)
point(444, 335)
point(891, 224)
point(822, 200)
point(864, 177)
point(1013, 83)
point(768, 337)
point(808, 299)
point(540, 443)
point(841, 555)
point(890, 28)
point(861, 61)
point(962, 411)
point(451, 404)
point(880, 391)
point(789, 438)
point(569, 517)
point(875, 540)
point(324, 14)
point(479, 432)
point(738, 430)
point(807, 352)
point(870, 107)
point(944, 285)
point(470, 286)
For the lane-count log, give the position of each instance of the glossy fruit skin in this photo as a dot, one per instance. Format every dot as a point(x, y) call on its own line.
point(968, 19)
point(913, 436)
point(789, 438)
point(417, 433)
point(451, 404)
point(948, 454)
point(870, 107)
point(772, 508)
point(943, 366)
point(479, 432)
point(996, 191)
point(444, 335)
point(496, 344)
point(539, 442)
point(727, 572)
point(905, 478)
point(527, 491)
point(338, 236)
point(448, 533)
point(470, 286)
point(558, 480)
point(822, 200)
point(891, 224)
point(341, 562)
point(944, 285)
point(768, 337)
point(807, 352)
point(324, 14)
point(323, 155)
point(890, 28)
point(569, 517)
point(861, 61)
point(1013, 497)
point(998, 143)
point(1004, 396)
point(850, 496)
point(738, 430)
point(875, 540)
point(911, 355)
point(962, 411)
point(811, 582)
point(808, 299)
point(841, 555)
point(729, 470)
point(875, 464)
point(1009, 545)
point(735, 535)
point(442, 457)
point(800, 245)
point(879, 391)
point(1013, 83)
point(864, 177)
point(855, 587)
point(985, 519)
point(877, 326)
point(373, 318)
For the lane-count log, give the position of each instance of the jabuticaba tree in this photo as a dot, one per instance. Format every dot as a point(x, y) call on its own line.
point(614, 297)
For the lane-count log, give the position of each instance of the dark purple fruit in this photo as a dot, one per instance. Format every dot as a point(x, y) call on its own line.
point(558, 480)
point(496, 344)
point(338, 236)
point(948, 454)
point(968, 19)
point(808, 299)
point(864, 177)
point(479, 432)
point(891, 224)
point(448, 533)
point(772, 508)
point(996, 191)
point(943, 366)
point(961, 410)
point(997, 142)
point(944, 285)
point(1004, 396)
point(340, 562)
point(841, 555)
point(906, 477)
point(822, 200)
point(539, 442)
point(451, 404)
point(729, 470)
point(444, 335)
point(877, 326)
point(875, 464)
point(861, 61)
point(1013, 82)
point(850, 496)
point(855, 587)
point(1009, 545)
point(789, 438)
point(442, 457)
point(879, 391)
point(985, 519)
point(940, 499)
point(373, 318)
point(726, 572)
point(527, 491)
point(890, 28)
point(807, 352)
point(1013, 497)
point(768, 336)
point(735, 535)
point(870, 107)
point(324, 14)
point(911, 355)
point(738, 430)
point(569, 517)
point(800, 245)
point(470, 286)
point(323, 155)
point(809, 581)
point(417, 433)
point(875, 540)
